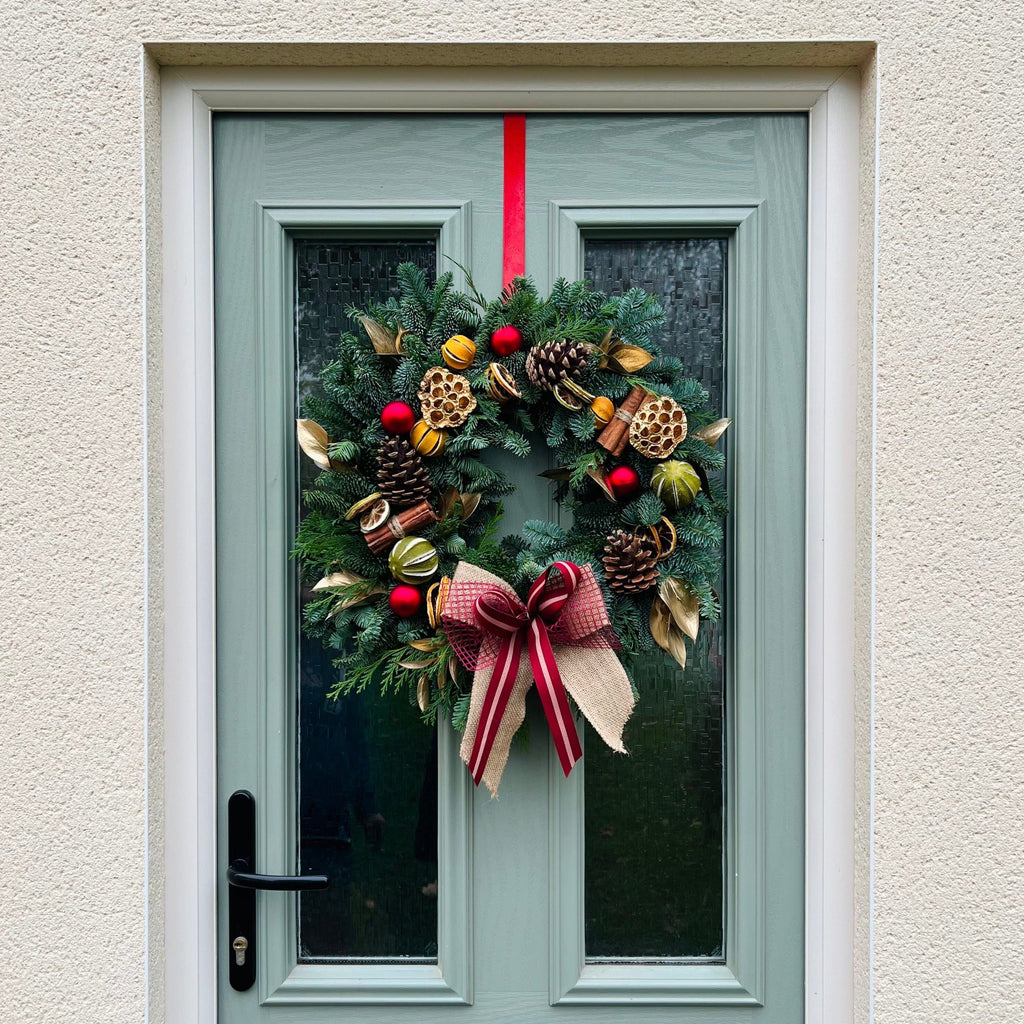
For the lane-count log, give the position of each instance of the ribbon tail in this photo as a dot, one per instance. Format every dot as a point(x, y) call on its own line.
point(597, 682)
point(488, 713)
point(552, 696)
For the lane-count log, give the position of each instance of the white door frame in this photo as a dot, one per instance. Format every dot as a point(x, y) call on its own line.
point(190, 95)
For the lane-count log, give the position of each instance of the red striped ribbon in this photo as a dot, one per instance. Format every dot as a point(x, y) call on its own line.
point(514, 210)
point(502, 614)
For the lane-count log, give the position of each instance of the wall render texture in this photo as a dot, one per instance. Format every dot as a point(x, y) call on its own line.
point(948, 527)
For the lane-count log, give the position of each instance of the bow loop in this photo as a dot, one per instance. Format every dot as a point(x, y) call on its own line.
point(498, 611)
point(565, 628)
point(548, 596)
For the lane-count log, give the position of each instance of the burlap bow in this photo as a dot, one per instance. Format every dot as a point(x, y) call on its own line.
point(570, 645)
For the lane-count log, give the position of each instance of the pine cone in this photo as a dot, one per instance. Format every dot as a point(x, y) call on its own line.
point(550, 364)
point(630, 563)
point(401, 476)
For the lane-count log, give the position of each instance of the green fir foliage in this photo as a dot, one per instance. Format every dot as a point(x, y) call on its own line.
point(375, 647)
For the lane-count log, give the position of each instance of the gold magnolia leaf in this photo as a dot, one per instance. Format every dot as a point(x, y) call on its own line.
point(684, 607)
point(448, 500)
point(452, 667)
point(341, 578)
point(666, 633)
point(605, 343)
point(423, 693)
point(428, 644)
point(354, 599)
point(347, 602)
point(414, 665)
point(626, 359)
point(556, 473)
point(470, 503)
point(384, 342)
point(598, 477)
point(713, 431)
point(660, 622)
point(313, 441)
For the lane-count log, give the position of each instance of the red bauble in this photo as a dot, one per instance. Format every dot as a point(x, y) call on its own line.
point(405, 600)
point(624, 482)
point(506, 340)
point(397, 418)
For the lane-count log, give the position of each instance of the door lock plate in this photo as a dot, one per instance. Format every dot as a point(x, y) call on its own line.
point(241, 902)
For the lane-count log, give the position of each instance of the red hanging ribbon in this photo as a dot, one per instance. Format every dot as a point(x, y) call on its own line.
point(500, 614)
point(514, 210)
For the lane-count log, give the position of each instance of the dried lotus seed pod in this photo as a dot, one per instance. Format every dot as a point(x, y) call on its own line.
point(446, 399)
point(658, 427)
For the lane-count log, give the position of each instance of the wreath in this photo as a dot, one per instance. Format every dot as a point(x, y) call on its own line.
point(411, 581)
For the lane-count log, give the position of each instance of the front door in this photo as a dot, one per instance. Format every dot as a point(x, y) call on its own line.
point(663, 886)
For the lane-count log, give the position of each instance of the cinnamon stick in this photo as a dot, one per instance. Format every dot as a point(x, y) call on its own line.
point(615, 435)
point(399, 526)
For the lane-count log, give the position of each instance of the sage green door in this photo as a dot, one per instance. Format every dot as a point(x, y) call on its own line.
point(666, 886)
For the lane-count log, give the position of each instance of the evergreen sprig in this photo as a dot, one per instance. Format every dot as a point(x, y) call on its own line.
point(375, 647)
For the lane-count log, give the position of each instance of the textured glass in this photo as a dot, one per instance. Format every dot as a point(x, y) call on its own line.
point(654, 820)
point(367, 767)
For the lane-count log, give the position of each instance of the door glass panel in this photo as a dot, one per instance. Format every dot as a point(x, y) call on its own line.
point(367, 771)
point(654, 820)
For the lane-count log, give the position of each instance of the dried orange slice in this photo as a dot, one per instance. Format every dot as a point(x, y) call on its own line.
point(375, 516)
point(362, 505)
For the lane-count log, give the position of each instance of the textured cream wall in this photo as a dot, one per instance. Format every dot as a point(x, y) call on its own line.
point(949, 877)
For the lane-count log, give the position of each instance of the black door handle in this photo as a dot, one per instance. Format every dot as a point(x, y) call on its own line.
point(243, 881)
point(238, 874)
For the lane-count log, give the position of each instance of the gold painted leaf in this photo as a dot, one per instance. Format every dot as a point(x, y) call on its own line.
point(341, 578)
point(713, 431)
point(683, 606)
point(556, 473)
point(423, 693)
point(666, 634)
point(350, 602)
point(353, 599)
point(384, 342)
point(605, 343)
point(418, 664)
point(428, 644)
point(448, 500)
point(313, 441)
point(660, 622)
point(470, 503)
point(598, 477)
point(452, 667)
point(626, 359)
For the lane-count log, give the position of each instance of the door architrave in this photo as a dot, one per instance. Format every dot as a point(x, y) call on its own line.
point(185, 660)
